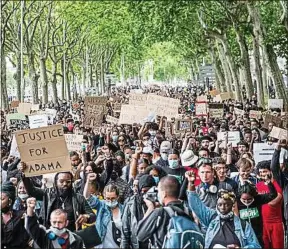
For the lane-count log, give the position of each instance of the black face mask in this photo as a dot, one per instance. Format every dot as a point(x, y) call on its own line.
point(5, 209)
point(114, 175)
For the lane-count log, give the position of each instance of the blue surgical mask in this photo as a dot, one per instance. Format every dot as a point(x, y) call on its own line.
point(173, 164)
point(156, 179)
point(111, 204)
point(115, 138)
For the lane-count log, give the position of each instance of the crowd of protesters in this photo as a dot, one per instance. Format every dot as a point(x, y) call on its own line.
point(135, 186)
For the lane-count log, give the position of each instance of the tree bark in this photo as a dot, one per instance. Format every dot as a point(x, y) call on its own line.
point(228, 79)
point(44, 80)
point(17, 75)
point(54, 82)
point(245, 63)
point(258, 71)
point(62, 81)
point(68, 81)
point(4, 94)
point(33, 77)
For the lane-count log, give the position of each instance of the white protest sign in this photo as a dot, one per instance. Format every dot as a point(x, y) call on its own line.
point(35, 107)
point(112, 120)
point(262, 151)
point(37, 121)
point(275, 103)
point(15, 116)
point(132, 114)
point(233, 137)
point(73, 142)
point(200, 109)
point(24, 108)
point(279, 133)
point(44, 150)
point(239, 112)
point(14, 148)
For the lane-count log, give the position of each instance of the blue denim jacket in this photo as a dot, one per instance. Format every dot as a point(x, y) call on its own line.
point(103, 215)
point(206, 215)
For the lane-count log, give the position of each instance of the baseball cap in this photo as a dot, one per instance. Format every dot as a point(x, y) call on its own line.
point(188, 158)
point(147, 150)
point(165, 147)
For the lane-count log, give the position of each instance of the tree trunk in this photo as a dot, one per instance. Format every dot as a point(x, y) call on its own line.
point(4, 94)
point(258, 71)
point(268, 52)
point(44, 80)
point(33, 77)
point(17, 75)
point(54, 82)
point(68, 81)
point(233, 69)
point(83, 77)
point(245, 63)
point(63, 80)
point(102, 77)
point(227, 73)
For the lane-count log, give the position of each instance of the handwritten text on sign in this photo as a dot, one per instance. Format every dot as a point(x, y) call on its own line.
point(73, 142)
point(44, 150)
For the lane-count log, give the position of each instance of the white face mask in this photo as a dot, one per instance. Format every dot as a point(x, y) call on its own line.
point(23, 197)
point(152, 132)
point(82, 175)
point(111, 204)
point(164, 156)
point(57, 231)
point(245, 203)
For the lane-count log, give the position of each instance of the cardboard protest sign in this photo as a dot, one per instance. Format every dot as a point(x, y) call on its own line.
point(14, 148)
point(117, 106)
point(24, 108)
point(183, 125)
point(239, 112)
point(262, 151)
point(37, 121)
point(216, 110)
point(44, 150)
point(112, 120)
point(271, 119)
point(96, 100)
point(213, 93)
point(227, 95)
point(202, 98)
point(217, 98)
point(35, 107)
point(162, 106)
point(200, 109)
point(275, 103)
point(255, 114)
point(73, 142)
point(131, 114)
point(94, 117)
point(233, 137)
point(137, 99)
point(75, 106)
point(279, 133)
point(15, 103)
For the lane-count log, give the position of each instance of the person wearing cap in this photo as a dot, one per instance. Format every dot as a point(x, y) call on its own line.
point(133, 212)
point(188, 161)
point(224, 228)
point(147, 153)
point(165, 149)
point(13, 233)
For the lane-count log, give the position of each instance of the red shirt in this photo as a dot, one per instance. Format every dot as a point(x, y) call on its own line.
point(197, 180)
point(270, 214)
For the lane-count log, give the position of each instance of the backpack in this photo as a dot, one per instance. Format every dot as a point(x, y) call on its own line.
point(182, 232)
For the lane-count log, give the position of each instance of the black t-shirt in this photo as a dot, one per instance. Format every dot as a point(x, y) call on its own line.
point(179, 173)
point(226, 234)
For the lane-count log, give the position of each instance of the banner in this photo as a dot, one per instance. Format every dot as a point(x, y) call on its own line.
point(200, 109)
point(44, 150)
point(96, 100)
point(73, 142)
point(279, 133)
point(132, 114)
point(216, 110)
point(14, 148)
point(202, 98)
point(255, 114)
point(15, 103)
point(263, 152)
point(183, 125)
point(112, 120)
point(275, 103)
point(19, 116)
point(239, 112)
point(37, 121)
point(137, 99)
point(162, 106)
point(24, 108)
point(233, 137)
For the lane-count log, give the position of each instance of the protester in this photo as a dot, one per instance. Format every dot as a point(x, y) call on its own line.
point(57, 236)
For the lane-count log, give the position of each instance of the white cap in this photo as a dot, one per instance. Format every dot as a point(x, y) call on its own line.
point(147, 150)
